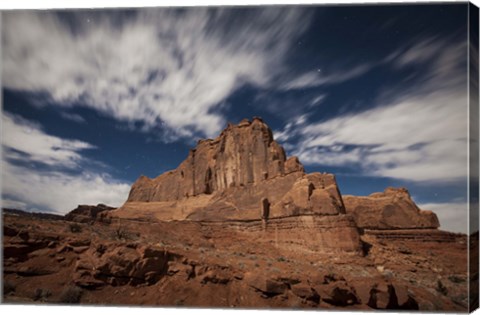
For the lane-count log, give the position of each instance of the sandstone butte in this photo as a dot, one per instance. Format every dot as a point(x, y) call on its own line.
point(244, 175)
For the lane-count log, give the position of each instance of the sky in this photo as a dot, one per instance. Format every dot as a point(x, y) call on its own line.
point(377, 95)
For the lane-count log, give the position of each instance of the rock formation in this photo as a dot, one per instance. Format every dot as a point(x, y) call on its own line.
point(227, 178)
point(242, 155)
point(392, 209)
point(245, 175)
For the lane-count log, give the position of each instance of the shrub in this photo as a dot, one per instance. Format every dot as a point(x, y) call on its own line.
point(120, 233)
point(456, 279)
point(441, 288)
point(8, 287)
point(179, 302)
point(41, 294)
point(71, 295)
point(75, 228)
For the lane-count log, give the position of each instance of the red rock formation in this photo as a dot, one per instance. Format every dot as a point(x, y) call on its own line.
point(227, 178)
point(242, 155)
point(244, 175)
point(392, 209)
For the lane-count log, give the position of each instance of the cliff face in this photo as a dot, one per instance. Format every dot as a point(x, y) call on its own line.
point(243, 155)
point(228, 177)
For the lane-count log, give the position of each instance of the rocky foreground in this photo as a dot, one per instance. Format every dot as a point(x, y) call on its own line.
point(238, 224)
point(129, 262)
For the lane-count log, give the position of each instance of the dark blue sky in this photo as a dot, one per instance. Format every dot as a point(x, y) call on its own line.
point(92, 99)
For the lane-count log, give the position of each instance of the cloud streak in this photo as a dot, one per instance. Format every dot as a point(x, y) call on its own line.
point(418, 134)
point(317, 78)
point(52, 187)
point(57, 191)
point(169, 67)
point(24, 140)
point(73, 117)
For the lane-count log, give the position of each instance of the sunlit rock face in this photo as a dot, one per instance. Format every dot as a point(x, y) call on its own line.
point(230, 175)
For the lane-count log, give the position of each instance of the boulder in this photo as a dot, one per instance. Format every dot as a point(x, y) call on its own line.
point(216, 276)
point(382, 296)
point(339, 294)
point(266, 285)
point(405, 300)
point(391, 296)
point(305, 292)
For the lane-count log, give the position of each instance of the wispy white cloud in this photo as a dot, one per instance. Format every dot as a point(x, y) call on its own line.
point(420, 52)
point(13, 204)
point(317, 78)
point(161, 66)
point(417, 139)
point(290, 128)
point(23, 139)
point(51, 187)
point(417, 134)
point(73, 117)
point(57, 191)
point(317, 100)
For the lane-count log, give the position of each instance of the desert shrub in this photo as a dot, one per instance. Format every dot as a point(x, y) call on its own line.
point(441, 288)
point(120, 233)
point(456, 279)
point(8, 287)
point(179, 302)
point(102, 218)
point(275, 269)
point(71, 295)
point(41, 294)
point(75, 228)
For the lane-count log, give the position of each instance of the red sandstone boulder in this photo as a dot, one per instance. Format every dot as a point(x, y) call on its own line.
point(266, 285)
point(339, 294)
point(305, 292)
point(391, 296)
